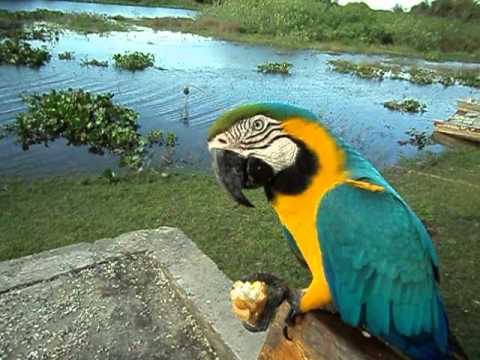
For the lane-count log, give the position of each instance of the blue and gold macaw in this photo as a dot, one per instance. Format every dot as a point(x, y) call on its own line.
point(368, 253)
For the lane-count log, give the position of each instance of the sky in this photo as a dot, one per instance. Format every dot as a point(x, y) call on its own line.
point(385, 4)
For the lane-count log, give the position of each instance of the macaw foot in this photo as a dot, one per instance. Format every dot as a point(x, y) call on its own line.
point(277, 292)
point(293, 299)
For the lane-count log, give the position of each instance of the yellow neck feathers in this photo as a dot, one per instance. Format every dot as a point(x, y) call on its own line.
point(298, 212)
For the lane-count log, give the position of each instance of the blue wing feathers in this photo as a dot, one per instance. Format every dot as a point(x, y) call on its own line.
point(379, 261)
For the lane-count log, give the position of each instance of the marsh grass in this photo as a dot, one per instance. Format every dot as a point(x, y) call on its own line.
point(47, 213)
point(414, 74)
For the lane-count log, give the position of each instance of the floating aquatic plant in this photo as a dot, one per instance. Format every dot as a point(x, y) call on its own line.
point(83, 118)
point(22, 53)
point(407, 105)
point(419, 139)
point(94, 62)
point(134, 60)
point(274, 68)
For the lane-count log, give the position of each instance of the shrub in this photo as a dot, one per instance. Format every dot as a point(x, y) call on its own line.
point(134, 61)
point(83, 118)
point(22, 53)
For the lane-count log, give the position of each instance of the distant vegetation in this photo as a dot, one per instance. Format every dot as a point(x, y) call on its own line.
point(407, 105)
point(22, 53)
point(354, 26)
point(87, 119)
point(275, 68)
point(466, 10)
point(134, 60)
point(12, 23)
point(413, 74)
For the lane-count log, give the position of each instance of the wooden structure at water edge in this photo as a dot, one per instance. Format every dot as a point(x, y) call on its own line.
point(465, 123)
point(321, 336)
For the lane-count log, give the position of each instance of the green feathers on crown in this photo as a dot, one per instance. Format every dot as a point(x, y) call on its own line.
point(277, 111)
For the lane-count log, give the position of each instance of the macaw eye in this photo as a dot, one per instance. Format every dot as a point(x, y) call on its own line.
point(258, 125)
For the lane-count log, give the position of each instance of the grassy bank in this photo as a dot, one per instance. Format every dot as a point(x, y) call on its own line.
point(44, 214)
point(14, 24)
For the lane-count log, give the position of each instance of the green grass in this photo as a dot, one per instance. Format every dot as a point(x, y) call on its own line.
point(44, 214)
point(318, 21)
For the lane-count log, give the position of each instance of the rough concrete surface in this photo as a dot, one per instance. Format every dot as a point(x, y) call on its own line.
point(145, 295)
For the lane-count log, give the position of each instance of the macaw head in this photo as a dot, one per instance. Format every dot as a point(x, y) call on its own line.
point(259, 145)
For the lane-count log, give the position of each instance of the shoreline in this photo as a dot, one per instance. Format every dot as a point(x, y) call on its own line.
point(214, 30)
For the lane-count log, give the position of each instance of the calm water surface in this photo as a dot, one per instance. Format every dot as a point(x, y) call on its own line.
point(100, 9)
point(220, 75)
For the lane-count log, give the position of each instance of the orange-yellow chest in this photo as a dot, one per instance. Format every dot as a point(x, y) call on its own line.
point(298, 213)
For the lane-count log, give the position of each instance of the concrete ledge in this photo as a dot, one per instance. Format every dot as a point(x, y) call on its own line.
point(202, 286)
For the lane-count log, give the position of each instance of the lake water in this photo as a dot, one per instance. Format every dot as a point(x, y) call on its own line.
point(220, 75)
point(100, 9)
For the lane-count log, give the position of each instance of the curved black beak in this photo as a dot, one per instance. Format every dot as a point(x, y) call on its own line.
point(231, 170)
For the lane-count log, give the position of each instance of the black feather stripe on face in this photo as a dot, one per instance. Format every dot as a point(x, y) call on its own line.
point(296, 178)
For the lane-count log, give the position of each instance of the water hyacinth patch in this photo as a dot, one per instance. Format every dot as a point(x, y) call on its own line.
point(134, 61)
point(407, 105)
point(22, 53)
point(274, 68)
point(83, 118)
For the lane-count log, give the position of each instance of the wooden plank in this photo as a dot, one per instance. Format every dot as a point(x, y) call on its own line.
point(468, 133)
point(468, 106)
point(323, 336)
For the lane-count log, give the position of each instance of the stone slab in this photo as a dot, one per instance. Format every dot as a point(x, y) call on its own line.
point(202, 287)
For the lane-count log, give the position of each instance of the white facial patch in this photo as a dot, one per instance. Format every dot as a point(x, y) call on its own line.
point(279, 155)
point(261, 137)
